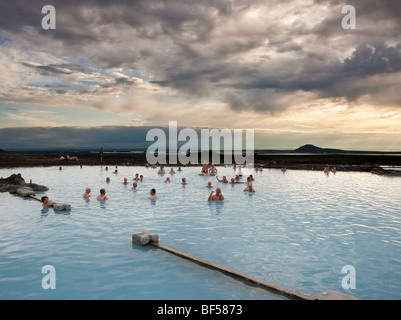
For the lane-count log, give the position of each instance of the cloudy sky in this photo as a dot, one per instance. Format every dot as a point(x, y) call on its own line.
point(113, 69)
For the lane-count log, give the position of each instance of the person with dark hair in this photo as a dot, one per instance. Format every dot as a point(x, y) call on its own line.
point(153, 194)
point(46, 202)
point(249, 187)
point(102, 195)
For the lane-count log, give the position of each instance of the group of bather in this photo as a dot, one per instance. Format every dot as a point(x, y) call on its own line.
point(214, 195)
point(206, 171)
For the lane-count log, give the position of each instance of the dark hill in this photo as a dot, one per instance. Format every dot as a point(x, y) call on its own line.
point(2, 151)
point(309, 148)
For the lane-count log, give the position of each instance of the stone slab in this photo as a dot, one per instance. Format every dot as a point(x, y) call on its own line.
point(335, 295)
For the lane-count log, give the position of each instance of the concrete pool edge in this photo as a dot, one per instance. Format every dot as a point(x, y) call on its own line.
point(149, 238)
point(260, 283)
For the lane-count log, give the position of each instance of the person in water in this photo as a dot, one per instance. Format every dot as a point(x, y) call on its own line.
point(216, 197)
point(153, 194)
point(233, 181)
point(172, 171)
point(224, 180)
point(249, 187)
point(108, 180)
point(87, 195)
point(141, 178)
point(209, 185)
point(125, 181)
point(184, 181)
point(102, 195)
point(134, 186)
point(161, 170)
point(136, 177)
point(46, 202)
point(213, 169)
point(167, 180)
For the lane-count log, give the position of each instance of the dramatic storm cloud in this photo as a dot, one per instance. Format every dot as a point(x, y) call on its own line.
point(248, 63)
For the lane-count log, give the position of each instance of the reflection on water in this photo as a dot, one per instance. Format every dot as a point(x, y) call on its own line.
point(102, 204)
point(45, 211)
point(216, 207)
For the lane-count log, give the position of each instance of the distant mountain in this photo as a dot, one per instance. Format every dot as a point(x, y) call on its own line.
point(2, 151)
point(309, 148)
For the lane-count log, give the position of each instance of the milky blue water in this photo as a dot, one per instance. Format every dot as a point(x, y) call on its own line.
point(298, 231)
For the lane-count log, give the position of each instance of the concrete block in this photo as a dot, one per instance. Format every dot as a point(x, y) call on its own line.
point(62, 207)
point(25, 192)
point(144, 238)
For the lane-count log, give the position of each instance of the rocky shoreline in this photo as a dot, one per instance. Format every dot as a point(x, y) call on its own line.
point(15, 182)
point(342, 162)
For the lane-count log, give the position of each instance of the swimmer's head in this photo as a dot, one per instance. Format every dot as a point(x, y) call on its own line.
point(102, 191)
point(153, 191)
point(44, 199)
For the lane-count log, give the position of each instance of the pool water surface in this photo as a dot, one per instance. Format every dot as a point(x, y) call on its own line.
point(298, 231)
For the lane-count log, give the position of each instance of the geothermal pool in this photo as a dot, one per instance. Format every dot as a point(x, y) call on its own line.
point(298, 231)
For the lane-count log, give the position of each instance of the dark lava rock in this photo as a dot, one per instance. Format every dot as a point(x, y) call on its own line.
point(14, 182)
